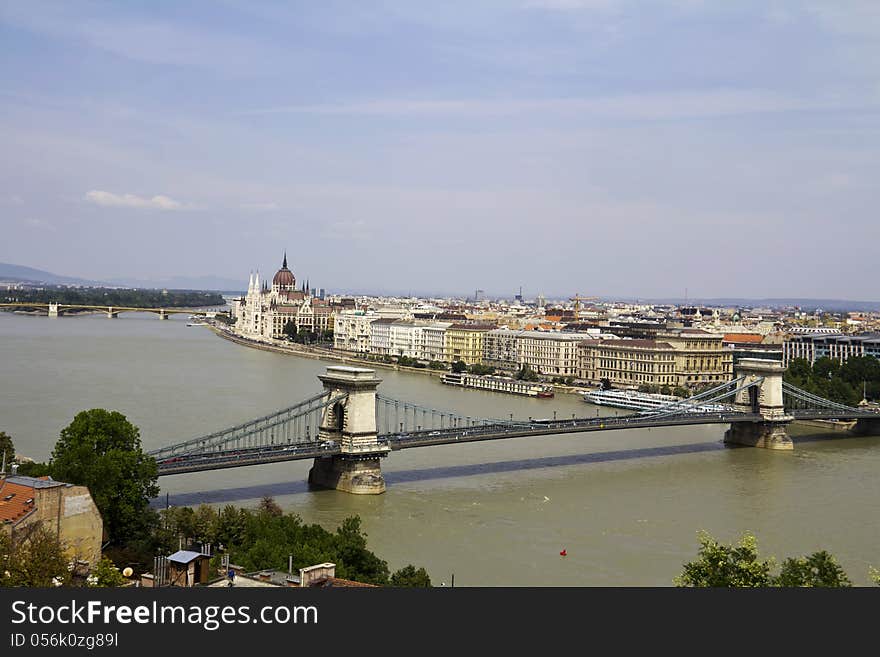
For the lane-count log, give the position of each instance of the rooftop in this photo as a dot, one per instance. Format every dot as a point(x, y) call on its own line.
point(16, 501)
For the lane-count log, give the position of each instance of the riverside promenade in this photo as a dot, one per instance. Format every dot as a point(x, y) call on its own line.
point(318, 353)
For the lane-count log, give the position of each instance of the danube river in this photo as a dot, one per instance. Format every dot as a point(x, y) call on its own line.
point(625, 505)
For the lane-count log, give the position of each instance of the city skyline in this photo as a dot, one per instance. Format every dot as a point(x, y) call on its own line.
point(597, 146)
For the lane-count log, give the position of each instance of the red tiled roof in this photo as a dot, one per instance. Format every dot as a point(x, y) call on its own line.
point(743, 337)
point(17, 506)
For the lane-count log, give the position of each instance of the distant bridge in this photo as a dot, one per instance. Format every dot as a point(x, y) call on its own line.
point(349, 427)
point(57, 309)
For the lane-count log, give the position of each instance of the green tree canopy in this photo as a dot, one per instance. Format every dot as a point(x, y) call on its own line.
point(106, 573)
point(34, 558)
point(409, 576)
point(101, 449)
point(459, 366)
point(7, 449)
point(720, 565)
point(818, 569)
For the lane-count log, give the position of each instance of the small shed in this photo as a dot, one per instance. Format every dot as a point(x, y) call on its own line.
point(188, 568)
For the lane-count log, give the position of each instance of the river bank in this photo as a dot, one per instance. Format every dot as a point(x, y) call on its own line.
point(322, 354)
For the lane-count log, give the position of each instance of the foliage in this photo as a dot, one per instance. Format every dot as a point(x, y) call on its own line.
point(727, 566)
point(481, 370)
point(101, 449)
point(564, 380)
point(224, 318)
point(34, 558)
point(680, 391)
point(406, 361)
point(436, 365)
point(301, 335)
point(720, 565)
point(526, 373)
point(106, 573)
point(34, 469)
point(100, 296)
point(265, 537)
point(605, 383)
point(818, 569)
point(7, 449)
point(844, 383)
point(408, 576)
point(459, 366)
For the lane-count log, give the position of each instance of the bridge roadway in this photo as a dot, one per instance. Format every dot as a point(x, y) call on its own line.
point(430, 437)
point(115, 309)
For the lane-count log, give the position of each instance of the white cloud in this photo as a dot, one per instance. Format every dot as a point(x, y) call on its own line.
point(108, 199)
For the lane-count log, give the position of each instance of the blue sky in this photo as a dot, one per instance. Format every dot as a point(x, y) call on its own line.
point(604, 147)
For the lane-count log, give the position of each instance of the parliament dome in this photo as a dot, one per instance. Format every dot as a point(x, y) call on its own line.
point(284, 278)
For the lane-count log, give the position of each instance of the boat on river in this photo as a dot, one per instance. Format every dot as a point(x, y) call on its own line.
point(646, 402)
point(498, 384)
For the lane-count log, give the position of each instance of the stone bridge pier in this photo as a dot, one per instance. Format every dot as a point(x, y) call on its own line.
point(765, 399)
point(53, 310)
point(351, 422)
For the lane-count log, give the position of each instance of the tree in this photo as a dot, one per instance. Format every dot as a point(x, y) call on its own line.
point(34, 469)
point(101, 450)
point(728, 566)
point(605, 383)
point(818, 569)
point(106, 573)
point(799, 369)
point(7, 449)
point(459, 366)
point(825, 368)
point(436, 365)
point(526, 373)
point(408, 576)
point(269, 506)
point(290, 330)
point(33, 558)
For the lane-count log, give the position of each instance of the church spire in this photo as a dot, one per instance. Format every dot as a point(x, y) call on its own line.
point(284, 264)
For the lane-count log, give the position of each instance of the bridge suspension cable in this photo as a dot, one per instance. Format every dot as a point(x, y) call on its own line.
point(394, 416)
point(814, 401)
point(713, 395)
point(295, 424)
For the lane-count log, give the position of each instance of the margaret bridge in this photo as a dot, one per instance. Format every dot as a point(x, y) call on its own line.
point(58, 309)
point(348, 427)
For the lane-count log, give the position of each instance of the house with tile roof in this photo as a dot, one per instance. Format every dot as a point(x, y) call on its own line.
point(65, 509)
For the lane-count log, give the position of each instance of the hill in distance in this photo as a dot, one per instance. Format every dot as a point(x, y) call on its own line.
point(22, 274)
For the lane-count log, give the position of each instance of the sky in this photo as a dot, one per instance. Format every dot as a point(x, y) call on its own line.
point(604, 147)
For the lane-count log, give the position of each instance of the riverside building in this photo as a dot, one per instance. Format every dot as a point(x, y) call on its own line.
point(834, 346)
point(265, 311)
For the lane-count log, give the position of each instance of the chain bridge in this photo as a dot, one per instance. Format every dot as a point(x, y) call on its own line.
point(349, 427)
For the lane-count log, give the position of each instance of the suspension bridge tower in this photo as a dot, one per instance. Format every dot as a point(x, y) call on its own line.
point(764, 399)
point(351, 422)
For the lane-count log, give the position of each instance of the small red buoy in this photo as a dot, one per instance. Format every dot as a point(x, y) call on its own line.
point(563, 553)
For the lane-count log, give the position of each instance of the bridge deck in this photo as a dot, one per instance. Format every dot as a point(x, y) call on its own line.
point(427, 438)
point(397, 441)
